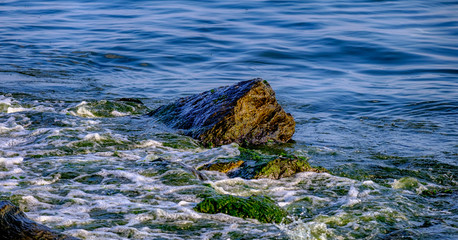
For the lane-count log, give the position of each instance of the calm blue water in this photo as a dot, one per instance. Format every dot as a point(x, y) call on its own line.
point(373, 87)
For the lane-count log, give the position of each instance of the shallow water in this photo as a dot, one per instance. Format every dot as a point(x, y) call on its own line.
point(372, 86)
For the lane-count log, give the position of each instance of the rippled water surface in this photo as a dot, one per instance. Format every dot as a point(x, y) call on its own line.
point(372, 85)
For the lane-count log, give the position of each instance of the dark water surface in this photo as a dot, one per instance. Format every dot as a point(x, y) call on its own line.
point(373, 87)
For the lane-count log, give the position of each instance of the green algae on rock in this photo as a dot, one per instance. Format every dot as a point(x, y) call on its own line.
point(253, 165)
point(262, 208)
point(284, 167)
point(245, 113)
point(14, 224)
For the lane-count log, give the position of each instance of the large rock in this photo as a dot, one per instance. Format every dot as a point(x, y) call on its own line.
point(245, 113)
point(15, 225)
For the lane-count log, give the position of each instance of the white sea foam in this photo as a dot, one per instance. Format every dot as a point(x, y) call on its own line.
point(8, 162)
point(299, 230)
point(44, 182)
point(16, 109)
point(83, 112)
point(10, 126)
point(149, 143)
point(93, 137)
point(119, 114)
point(5, 100)
point(33, 203)
point(7, 185)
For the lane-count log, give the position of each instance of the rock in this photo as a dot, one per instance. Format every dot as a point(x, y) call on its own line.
point(223, 167)
point(14, 224)
point(252, 165)
point(284, 167)
point(172, 173)
point(262, 208)
point(245, 113)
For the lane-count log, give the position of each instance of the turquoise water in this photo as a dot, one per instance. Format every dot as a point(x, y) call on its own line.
point(372, 86)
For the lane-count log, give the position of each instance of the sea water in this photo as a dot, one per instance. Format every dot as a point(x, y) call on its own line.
point(372, 85)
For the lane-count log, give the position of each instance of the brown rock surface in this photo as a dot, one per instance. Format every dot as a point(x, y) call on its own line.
point(14, 224)
point(245, 113)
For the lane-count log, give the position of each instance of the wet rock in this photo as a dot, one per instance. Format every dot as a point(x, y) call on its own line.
point(223, 167)
point(262, 208)
point(277, 168)
point(252, 165)
point(284, 167)
point(173, 173)
point(245, 113)
point(14, 224)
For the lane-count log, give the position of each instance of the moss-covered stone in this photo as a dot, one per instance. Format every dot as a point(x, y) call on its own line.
point(261, 208)
point(284, 167)
point(245, 113)
point(251, 164)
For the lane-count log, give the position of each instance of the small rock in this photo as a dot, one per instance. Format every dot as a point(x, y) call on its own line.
point(284, 167)
point(14, 224)
point(245, 113)
point(252, 165)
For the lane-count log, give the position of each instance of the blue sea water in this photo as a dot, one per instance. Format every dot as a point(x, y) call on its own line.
point(372, 85)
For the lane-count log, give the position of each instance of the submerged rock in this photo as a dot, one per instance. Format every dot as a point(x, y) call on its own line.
point(245, 113)
point(262, 208)
point(14, 224)
point(284, 167)
point(109, 108)
point(252, 165)
point(173, 173)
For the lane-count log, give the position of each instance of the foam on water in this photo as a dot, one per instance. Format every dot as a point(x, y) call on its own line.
point(103, 179)
point(8, 162)
point(308, 231)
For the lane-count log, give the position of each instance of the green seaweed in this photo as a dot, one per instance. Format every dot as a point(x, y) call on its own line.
point(436, 192)
point(262, 208)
